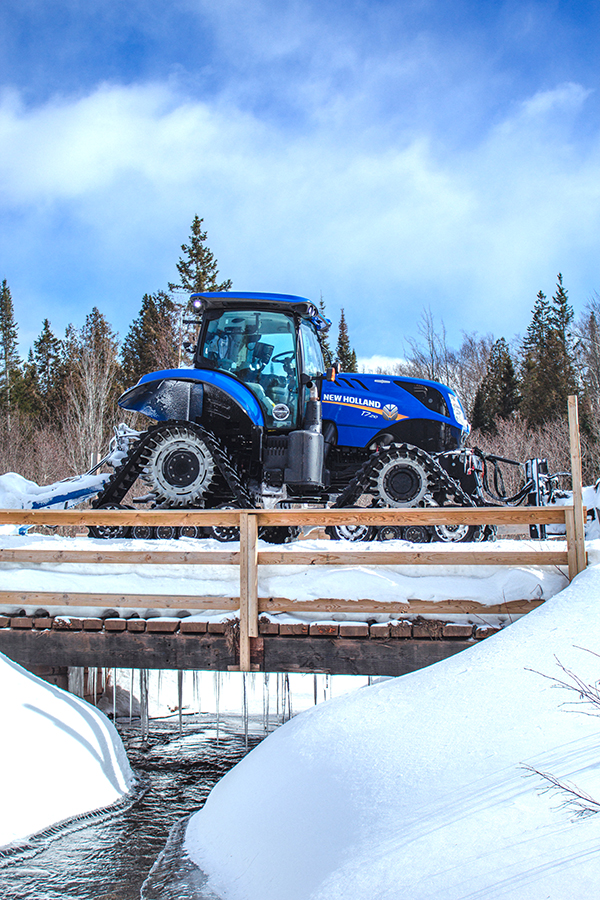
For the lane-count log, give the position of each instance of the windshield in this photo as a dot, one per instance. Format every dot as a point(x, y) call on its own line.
point(258, 348)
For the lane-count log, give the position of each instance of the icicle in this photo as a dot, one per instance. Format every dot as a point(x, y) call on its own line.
point(245, 707)
point(114, 684)
point(289, 696)
point(315, 688)
point(266, 702)
point(180, 699)
point(217, 684)
point(93, 684)
point(158, 686)
point(369, 680)
point(131, 697)
point(76, 680)
point(196, 676)
point(144, 719)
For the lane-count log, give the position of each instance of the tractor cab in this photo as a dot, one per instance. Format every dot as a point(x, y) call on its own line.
point(269, 343)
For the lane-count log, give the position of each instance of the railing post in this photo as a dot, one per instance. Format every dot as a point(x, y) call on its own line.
point(248, 586)
point(578, 520)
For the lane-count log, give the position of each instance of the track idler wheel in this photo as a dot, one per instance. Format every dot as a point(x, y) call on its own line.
point(454, 534)
point(350, 532)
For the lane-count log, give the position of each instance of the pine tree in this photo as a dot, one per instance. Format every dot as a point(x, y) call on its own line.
point(324, 338)
point(152, 341)
point(47, 358)
point(10, 364)
point(198, 267)
point(548, 368)
point(498, 394)
point(345, 354)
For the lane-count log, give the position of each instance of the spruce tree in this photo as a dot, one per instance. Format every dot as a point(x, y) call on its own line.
point(49, 371)
point(10, 364)
point(548, 367)
point(152, 341)
point(345, 354)
point(498, 394)
point(198, 267)
point(324, 338)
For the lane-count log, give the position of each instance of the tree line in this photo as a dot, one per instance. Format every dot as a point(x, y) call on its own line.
point(58, 406)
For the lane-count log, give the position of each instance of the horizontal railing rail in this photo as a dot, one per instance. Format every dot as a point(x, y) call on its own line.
point(250, 556)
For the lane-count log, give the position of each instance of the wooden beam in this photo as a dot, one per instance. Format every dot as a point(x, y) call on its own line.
point(399, 608)
point(122, 557)
point(143, 601)
point(482, 556)
point(431, 515)
point(579, 520)
point(360, 656)
point(438, 554)
point(248, 587)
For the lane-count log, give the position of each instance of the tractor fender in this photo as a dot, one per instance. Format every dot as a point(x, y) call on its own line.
point(179, 394)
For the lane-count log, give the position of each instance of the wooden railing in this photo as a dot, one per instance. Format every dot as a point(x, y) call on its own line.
point(249, 556)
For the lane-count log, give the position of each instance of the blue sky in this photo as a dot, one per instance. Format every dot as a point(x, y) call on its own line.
point(389, 155)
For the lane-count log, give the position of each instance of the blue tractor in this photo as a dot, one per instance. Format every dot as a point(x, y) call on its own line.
point(259, 422)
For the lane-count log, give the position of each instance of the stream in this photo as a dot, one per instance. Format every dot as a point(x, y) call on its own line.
point(109, 856)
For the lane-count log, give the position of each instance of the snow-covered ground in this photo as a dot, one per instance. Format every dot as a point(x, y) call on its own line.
point(59, 757)
point(416, 788)
point(488, 585)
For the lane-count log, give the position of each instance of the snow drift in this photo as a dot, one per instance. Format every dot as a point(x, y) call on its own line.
point(415, 788)
point(59, 757)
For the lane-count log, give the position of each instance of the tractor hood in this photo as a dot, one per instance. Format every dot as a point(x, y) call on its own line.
point(180, 394)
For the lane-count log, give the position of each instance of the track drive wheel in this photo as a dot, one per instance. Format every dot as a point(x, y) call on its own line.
point(399, 478)
point(110, 531)
point(180, 468)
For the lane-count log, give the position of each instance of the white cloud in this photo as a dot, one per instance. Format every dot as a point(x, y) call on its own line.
point(97, 193)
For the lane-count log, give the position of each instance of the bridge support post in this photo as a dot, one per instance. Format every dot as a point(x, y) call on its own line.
point(248, 586)
point(575, 526)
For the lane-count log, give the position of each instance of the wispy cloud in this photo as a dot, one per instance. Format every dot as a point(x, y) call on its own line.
point(322, 166)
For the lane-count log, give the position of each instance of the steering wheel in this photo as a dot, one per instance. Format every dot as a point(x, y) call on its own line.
point(284, 357)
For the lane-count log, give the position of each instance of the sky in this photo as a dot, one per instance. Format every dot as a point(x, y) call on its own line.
point(389, 156)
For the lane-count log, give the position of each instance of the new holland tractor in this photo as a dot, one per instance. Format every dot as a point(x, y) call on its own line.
point(258, 422)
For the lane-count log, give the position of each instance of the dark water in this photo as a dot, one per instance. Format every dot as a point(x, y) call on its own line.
point(109, 857)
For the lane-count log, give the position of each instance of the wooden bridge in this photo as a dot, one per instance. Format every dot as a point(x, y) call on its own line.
point(251, 640)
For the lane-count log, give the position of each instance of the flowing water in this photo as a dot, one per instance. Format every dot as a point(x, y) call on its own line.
point(109, 856)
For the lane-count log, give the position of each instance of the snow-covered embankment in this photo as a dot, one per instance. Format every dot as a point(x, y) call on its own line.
point(59, 757)
point(415, 788)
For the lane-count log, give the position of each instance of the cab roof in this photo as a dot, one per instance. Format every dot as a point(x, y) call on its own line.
point(286, 302)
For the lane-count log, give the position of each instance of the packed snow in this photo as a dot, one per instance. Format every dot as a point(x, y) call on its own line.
point(418, 787)
point(488, 585)
point(59, 757)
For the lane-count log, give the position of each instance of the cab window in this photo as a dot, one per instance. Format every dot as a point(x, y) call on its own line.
point(259, 349)
point(312, 355)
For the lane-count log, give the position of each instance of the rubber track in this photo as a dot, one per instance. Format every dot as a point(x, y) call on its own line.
point(365, 479)
point(138, 457)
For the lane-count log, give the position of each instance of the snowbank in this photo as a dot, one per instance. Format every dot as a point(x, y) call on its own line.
point(59, 757)
point(415, 788)
point(489, 585)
